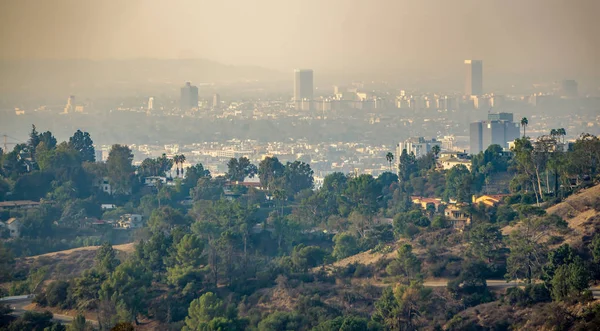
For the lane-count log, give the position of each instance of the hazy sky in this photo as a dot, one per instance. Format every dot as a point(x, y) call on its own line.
point(354, 35)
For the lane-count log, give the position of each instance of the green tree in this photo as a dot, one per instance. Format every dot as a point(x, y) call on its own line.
point(569, 280)
point(436, 150)
point(48, 139)
point(7, 263)
point(202, 311)
point(470, 286)
point(83, 144)
point(345, 244)
point(155, 167)
point(34, 140)
point(79, 324)
point(239, 169)
point(524, 123)
point(281, 321)
point(165, 219)
point(363, 193)
point(406, 264)
point(345, 323)
point(585, 158)
point(305, 257)
point(298, 176)
point(401, 308)
point(390, 158)
point(458, 184)
point(208, 189)
point(269, 170)
point(188, 257)
point(485, 242)
point(85, 289)
point(106, 258)
point(127, 287)
point(56, 294)
point(120, 168)
point(528, 250)
point(595, 248)
point(407, 165)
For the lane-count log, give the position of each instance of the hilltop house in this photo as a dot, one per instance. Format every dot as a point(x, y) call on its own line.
point(491, 200)
point(130, 221)
point(457, 217)
point(14, 226)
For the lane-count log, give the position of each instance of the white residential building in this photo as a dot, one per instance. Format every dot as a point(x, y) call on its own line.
point(417, 145)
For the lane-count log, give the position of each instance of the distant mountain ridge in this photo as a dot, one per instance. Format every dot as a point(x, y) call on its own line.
point(62, 74)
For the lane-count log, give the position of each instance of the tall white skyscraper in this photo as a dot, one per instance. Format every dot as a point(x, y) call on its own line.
point(474, 77)
point(70, 106)
point(150, 103)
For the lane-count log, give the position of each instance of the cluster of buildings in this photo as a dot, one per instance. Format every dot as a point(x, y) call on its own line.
point(499, 129)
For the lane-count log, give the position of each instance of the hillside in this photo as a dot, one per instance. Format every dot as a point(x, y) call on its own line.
point(582, 213)
point(67, 264)
point(125, 248)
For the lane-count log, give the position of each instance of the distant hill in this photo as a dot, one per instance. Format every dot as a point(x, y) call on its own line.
point(62, 76)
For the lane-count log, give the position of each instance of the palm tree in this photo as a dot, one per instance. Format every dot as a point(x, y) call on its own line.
point(554, 133)
point(389, 157)
point(524, 123)
point(562, 132)
point(176, 159)
point(436, 150)
point(181, 160)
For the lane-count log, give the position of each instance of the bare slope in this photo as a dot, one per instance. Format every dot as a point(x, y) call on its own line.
point(580, 211)
point(126, 248)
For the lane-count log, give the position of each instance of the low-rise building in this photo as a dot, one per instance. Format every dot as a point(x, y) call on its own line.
point(18, 204)
point(130, 221)
point(458, 218)
point(14, 227)
point(448, 163)
point(424, 202)
point(491, 200)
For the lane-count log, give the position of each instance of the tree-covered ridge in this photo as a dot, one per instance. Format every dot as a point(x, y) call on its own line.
point(216, 254)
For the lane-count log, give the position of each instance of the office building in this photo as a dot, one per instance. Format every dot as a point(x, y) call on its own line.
point(216, 101)
point(569, 88)
point(499, 129)
point(303, 86)
point(500, 117)
point(474, 77)
point(417, 145)
point(150, 104)
point(189, 97)
point(70, 106)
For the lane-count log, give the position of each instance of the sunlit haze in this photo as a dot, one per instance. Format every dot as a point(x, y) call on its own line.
point(537, 36)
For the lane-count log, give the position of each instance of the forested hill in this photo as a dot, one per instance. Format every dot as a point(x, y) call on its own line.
point(420, 247)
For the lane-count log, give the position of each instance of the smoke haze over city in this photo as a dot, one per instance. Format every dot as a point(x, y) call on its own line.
point(538, 37)
point(309, 165)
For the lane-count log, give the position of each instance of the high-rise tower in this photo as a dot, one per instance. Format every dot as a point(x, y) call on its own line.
point(70, 106)
point(303, 87)
point(474, 77)
point(189, 97)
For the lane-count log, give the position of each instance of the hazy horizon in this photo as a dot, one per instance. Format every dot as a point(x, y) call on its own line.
point(430, 37)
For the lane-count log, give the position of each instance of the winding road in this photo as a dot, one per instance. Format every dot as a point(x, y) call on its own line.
point(19, 303)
